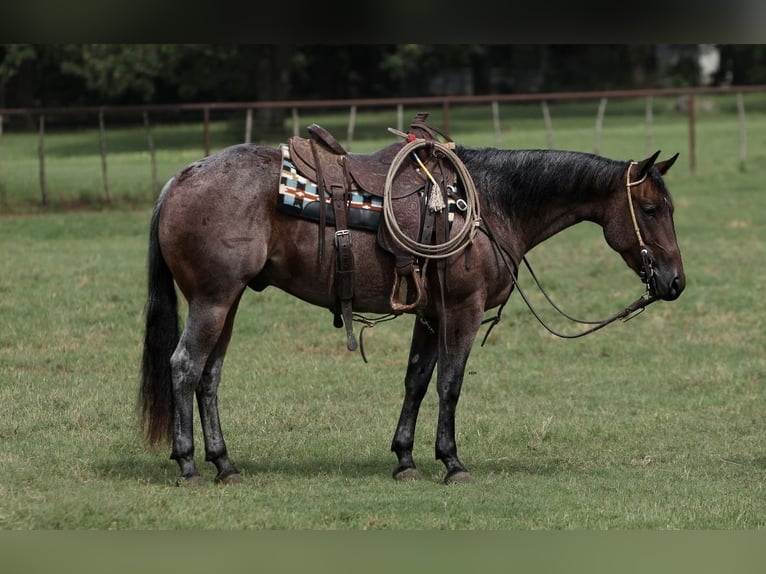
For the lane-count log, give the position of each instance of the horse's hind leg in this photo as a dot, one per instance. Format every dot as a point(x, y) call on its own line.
point(422, 359)
point(200, 337)
point(207, 400)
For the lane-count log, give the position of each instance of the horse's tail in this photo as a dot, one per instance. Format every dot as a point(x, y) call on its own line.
point(160, 339)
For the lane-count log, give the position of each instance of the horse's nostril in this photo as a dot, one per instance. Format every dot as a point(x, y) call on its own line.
point(676, 287)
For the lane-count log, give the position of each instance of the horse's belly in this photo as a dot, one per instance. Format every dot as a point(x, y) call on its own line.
point(296, 269)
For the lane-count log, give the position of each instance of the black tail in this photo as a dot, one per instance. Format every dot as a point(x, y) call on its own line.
point(160, 340)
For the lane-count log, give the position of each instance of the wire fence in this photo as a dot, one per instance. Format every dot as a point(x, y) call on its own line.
point(291, 112)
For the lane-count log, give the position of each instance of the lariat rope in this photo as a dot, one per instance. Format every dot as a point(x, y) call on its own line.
point(472, 216)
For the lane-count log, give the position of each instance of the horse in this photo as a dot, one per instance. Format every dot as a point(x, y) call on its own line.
point(215, 231)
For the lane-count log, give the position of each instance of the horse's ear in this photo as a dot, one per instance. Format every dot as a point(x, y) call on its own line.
point(643, 166)
point(664, 166)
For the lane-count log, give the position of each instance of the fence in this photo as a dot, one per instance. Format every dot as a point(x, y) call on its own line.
point(446, 103)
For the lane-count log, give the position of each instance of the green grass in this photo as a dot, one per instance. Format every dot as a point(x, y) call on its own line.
point(657, 423)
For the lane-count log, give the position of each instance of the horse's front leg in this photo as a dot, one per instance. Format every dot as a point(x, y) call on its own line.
point(461, 328)
point(420, 367)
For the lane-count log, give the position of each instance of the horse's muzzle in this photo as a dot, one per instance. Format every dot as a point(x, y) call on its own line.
point(667, 285)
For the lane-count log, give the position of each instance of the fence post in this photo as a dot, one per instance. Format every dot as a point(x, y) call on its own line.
point(599, 125)
point(692, 134)
point(41, 156)
point(649, 124)
point(742, 131)
point(496, 122)
point(351, 126)
point(400, 117)
point(102, 147)
point(206, 120)
point(152, 155)
point(2, 186)
point(296, 123)
point(248, 125)
point(548, 123)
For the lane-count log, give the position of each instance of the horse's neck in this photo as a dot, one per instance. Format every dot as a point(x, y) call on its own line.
point(543, 192)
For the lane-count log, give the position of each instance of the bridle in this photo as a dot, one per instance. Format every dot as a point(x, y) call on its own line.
point(647, 269)
point(646, 275)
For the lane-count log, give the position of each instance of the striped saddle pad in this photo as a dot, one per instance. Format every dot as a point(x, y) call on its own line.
point(299, 196)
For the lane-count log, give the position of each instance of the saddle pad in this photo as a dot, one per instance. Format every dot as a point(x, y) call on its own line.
point(299, 196)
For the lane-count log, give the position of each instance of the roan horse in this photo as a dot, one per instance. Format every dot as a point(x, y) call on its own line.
point(215, 231)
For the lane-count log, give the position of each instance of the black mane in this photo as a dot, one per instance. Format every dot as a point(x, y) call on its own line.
point(523, 179)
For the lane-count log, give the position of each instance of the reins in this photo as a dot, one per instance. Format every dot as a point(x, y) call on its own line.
point(474, 224)
point(625, 314)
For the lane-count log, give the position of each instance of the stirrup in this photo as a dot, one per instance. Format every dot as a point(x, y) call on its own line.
point(399, 292)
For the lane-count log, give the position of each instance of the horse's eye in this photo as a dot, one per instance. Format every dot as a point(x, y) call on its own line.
point(649, 210)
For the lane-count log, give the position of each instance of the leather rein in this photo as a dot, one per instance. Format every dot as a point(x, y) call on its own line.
point(647, 276)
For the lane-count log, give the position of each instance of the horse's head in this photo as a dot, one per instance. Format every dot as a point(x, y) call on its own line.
point(639, 226)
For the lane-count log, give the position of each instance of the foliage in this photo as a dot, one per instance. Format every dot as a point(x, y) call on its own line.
point(76, 74)
point(115, 71)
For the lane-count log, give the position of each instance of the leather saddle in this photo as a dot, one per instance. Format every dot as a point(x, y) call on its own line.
point(368, 172)
point(322, 159)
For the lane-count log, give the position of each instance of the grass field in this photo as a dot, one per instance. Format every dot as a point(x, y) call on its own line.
point(657, 423)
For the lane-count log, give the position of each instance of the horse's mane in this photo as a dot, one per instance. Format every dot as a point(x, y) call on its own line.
point(523, 179)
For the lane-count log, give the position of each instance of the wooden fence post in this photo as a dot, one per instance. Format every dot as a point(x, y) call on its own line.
point(2, 186)
point(548, 123)
point(296, 123)
point(152, 154)
point(102, 147)
point(41, 156)
point(649, 124)
point(496, 122)
point(692, 134)
point(206, 120)
point(351, 126)
point(599, 126)
point(742, 131)
point(249, 125)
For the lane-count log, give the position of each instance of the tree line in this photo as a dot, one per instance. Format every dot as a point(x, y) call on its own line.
point(100, 74)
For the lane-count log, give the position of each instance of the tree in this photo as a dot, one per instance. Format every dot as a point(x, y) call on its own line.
point(12, 58)
point(741, 64)
point(115, 72)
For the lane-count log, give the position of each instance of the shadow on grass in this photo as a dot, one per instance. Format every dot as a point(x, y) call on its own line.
point(161, 470)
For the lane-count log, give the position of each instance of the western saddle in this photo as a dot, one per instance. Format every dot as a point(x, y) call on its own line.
point(322, 159)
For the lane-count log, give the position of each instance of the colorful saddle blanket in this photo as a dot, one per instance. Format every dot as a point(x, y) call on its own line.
point(299, 196)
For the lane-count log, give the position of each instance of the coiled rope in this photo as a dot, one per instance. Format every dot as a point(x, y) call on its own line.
point(472, 214)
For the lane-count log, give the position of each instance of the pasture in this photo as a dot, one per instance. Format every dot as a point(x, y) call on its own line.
point(657, 423)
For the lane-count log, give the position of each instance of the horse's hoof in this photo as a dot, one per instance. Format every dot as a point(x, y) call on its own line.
point(459, 477)
point(233, 478)
point(193, 480)
point(408, 473)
